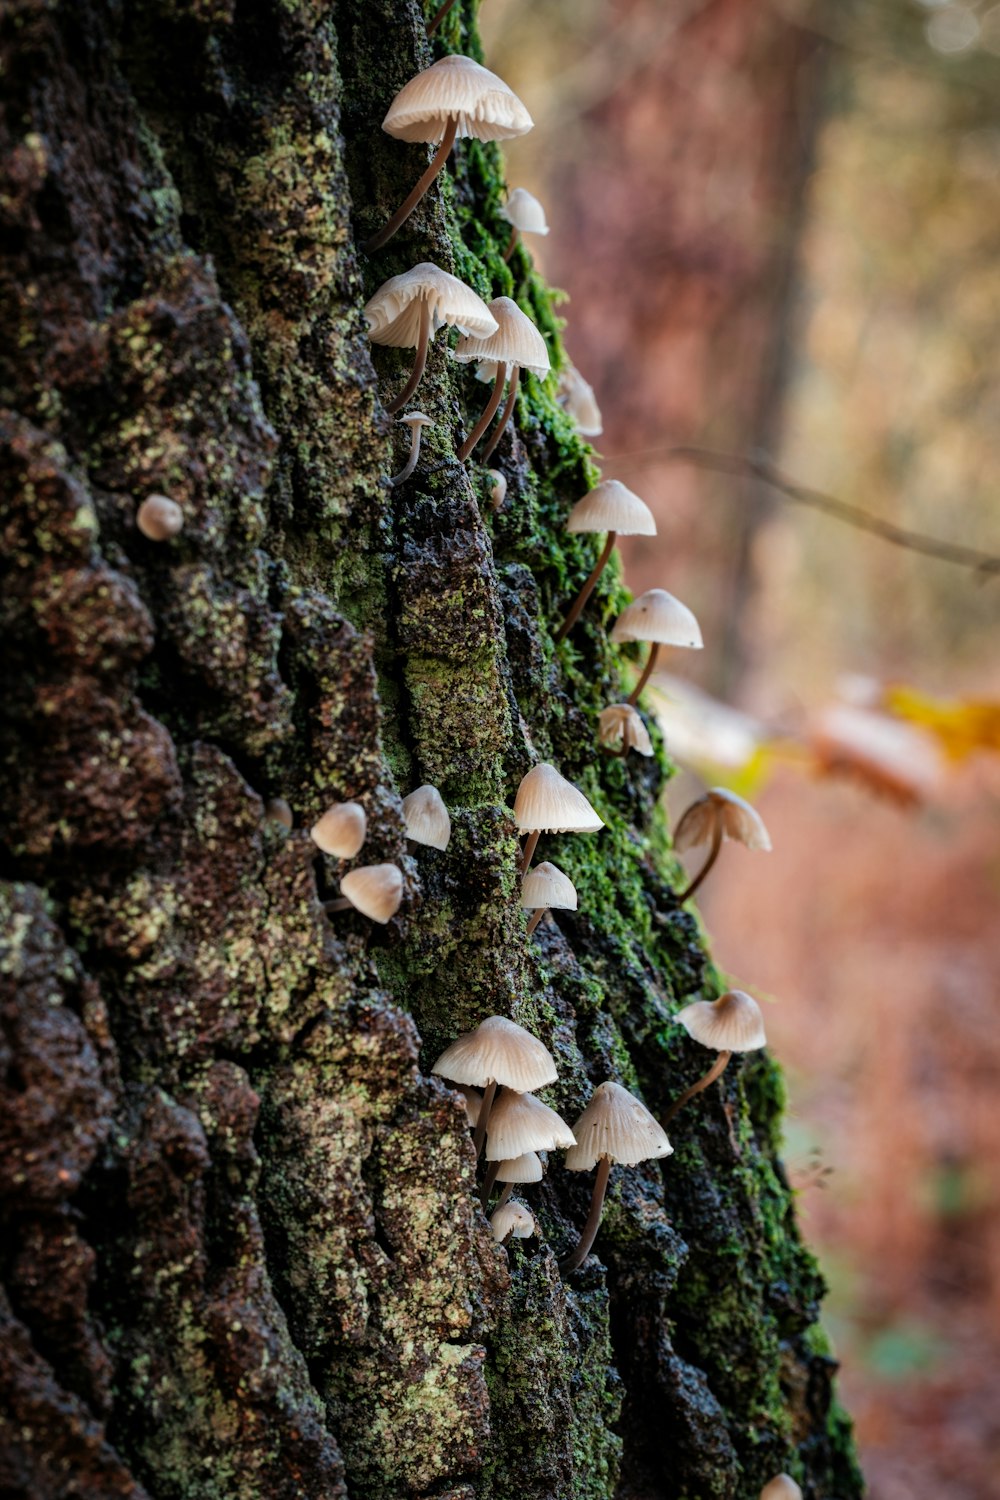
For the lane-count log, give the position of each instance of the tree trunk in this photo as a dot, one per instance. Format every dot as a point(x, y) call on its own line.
point(242, 1250)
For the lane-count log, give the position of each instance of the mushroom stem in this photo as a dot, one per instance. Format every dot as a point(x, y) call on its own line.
point(340, 904)
point(589, 1231)
point(489, 1094)
point(505, 1195)
point(713, 855)
point(410, 202)
point(418, 364)
point(530, 845)
point(714, 1072)
point(587, 590)
point(488, 1181)
point(511, 245)
point(536, 918)
point(487, 416)
point(411, 463)
point(505, 415)
point(654, 652)
point(439, 16)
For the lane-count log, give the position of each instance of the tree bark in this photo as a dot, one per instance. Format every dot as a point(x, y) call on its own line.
point(242, 1250)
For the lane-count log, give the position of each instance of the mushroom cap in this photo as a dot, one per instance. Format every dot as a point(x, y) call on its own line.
point(611, 506)
point(473, 1104)
point(456, 86)
point(524, 211)
point(513, 1219)
point(393, 312)
point(740, 822)
point(515, 342)
point(376, 890)
point(498, 492)
point(548, 803)
point(733, 1023)
point(159, 518)
point(416, 419)
point(781, 1487)
point(617, 1126)
point(546, 885)
point(427, 820)
point(498, 1051)
point(657, 616)
point(279, 811)
point(620, 721)
point(576, 396)
point(520, 1123)
point(341, 829)
point(526, 1168)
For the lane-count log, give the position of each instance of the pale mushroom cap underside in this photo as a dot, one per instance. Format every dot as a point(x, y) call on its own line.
point(740, 823)
point(616, 1125)
point(620, 722)
point(546, 885)
point(415, 419)
point(576, 396)
point(520, 1123)
point(658, 617)
point(394, 312)
point(376, 890)
point(427, 818)
point(781, 1487)
point(498, 1051)
point(455, 87)
point(612, 506)
point(340, 831)
point(546, 802)
point(524, 211)
point(526, 1168)
point(513, 1219)
point(733, 1023)
point(516, 341)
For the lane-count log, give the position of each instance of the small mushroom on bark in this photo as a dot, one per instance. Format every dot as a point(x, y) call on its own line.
point(416, 422)
point(546, 886)
point(621, 725)
point(408, 310)
point(659, 618)
point(512, 1221)
point(576, 396)
point(498, 492)
point(613, 508)
point(376, 891)
point(279, 811)
point(498, 1054)
point(523, 1169)
point(159, 518)
point(452, 99)
point(516, 345)
point(547, 803)
point(615, 1127)
point(781, 1487)
point(719, 815)
point(341, 830)
point(526, 214)
point(733, 1023)
point(427, 818)
point(520, 1123)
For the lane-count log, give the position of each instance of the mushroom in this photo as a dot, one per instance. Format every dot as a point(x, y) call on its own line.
point(520, 1123)
point(416, 421)
point(615, 1127)
point(512, 1220)
point(341, 830)
point(546, 886)
point(454, 97)
point(279, 811)
point(733, 1023)
point(473, 1103)
point(547, 803)
point(526, 214)
point(613, 508)
point(375, 890)
point(576, 396)
point(719, 815)
point(159, 518)
point(622, 724)
point(498, 1054)
point(525, 1168)
point(517, 343)
point(659, 618)
point(498, 492)
point(408, 310)
point(781, 1487)
point(427, 820)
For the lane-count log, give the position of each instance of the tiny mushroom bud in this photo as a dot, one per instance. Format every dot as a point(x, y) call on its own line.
point(453, 98)
point(576, 396)
point(719, 815)
point(498, 493)
point(546, 886)
point(547, 803)
point(526, 214)
point(416, 422)
point(613, 508)
point(408, 310)
point(512, 1219)
point(525, 1168)
point(516, 343)
point(733, 1023)
point(621, 724)
point(159, 518)
point(279, 811)
point(781, 1487)
point(615, 1127)
point(498, 1054)
point(659, 618)
point(341, 830)
point(375, 890)
point(427, 820)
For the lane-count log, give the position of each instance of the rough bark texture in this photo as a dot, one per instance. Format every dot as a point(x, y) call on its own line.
point(242, 1256)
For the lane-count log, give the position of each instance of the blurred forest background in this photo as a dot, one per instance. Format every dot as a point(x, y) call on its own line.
point(779, 228)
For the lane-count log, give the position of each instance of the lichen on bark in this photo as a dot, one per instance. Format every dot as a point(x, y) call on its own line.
point(265, 1268)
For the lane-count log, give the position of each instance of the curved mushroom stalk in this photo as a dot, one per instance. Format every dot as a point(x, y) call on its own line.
point(715, 1071)
point(654, 652)
point(505, 415)
point(416, 421)
point(438, 17)
point(487, 414)
point(412, 198)
point(588, 588)
point(419, 365)
point(528, 852)
point(588, 1233)
point(713, 854)
point(515, 235)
